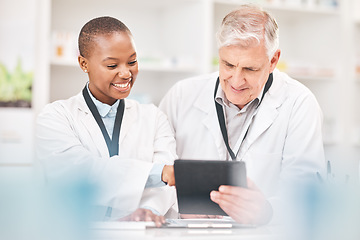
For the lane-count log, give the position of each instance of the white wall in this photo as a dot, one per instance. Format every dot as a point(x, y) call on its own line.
point(17, 41)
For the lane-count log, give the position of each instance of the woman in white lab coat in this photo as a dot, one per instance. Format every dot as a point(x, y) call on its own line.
point(117, 143)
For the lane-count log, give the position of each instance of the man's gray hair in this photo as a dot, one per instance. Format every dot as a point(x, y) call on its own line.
point(246, 27)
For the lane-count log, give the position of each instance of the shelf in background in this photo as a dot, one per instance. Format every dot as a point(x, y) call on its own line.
point(327, 10)
point(65, 62)
point(312, 78)
point(170, 69)
point(161, 68)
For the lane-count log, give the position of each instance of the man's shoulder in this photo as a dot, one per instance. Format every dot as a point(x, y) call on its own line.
point(195, 91)
point(288, 85)
point(194, 86)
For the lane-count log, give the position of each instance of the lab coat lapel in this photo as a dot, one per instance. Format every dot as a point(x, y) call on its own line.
point(262, 121)
point(205, 103)
point(129, 118)
point(210, 121)
point(266, 115)
point(92, 127)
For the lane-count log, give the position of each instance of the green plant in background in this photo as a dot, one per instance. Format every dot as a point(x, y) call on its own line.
point(215, 61)
point(15, 87)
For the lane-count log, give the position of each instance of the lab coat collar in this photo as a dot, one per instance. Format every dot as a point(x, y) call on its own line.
point(92, 127)
point(206, 95)
point(130, 116)
point(267, 112)
point(205, 103)
point(103, 108)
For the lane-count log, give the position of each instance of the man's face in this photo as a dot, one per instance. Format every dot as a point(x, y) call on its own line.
point(243, 72)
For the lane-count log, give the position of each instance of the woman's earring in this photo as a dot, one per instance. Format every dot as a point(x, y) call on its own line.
point(85, 70)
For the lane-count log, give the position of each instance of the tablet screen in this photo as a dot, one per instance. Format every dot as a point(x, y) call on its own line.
point(195, 179)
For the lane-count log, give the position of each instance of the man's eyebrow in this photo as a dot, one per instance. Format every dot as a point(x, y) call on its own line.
point(226, 62)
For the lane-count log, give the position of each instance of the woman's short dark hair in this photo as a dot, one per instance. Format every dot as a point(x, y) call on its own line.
point(96, 27)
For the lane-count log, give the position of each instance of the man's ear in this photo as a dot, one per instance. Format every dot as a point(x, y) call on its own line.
point(274, 60)
point(83, 63)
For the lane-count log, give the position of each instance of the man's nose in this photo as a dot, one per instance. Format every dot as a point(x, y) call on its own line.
point(238, 78)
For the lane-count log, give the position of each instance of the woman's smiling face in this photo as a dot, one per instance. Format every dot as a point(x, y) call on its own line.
point(112, 66)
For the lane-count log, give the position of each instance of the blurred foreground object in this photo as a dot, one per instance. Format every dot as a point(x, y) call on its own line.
point(325, 210)
point(32, 211)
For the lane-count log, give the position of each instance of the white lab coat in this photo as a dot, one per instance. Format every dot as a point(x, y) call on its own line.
point(284, 141)
point(69, 142)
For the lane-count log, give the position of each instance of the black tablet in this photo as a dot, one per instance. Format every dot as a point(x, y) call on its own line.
point(195, 179)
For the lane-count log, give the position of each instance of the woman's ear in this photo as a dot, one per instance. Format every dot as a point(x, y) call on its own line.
point(83, 63)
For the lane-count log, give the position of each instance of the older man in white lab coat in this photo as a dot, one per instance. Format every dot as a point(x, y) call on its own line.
point(249, 111)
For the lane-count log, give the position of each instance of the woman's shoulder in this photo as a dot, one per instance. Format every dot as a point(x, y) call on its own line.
point(64, 105)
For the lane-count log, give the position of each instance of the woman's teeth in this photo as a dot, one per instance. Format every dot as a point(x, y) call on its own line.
point(121, 85)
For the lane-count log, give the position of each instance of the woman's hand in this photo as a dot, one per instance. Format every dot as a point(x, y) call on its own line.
point(146, 215)
point(167, 175)
point(187, 216)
